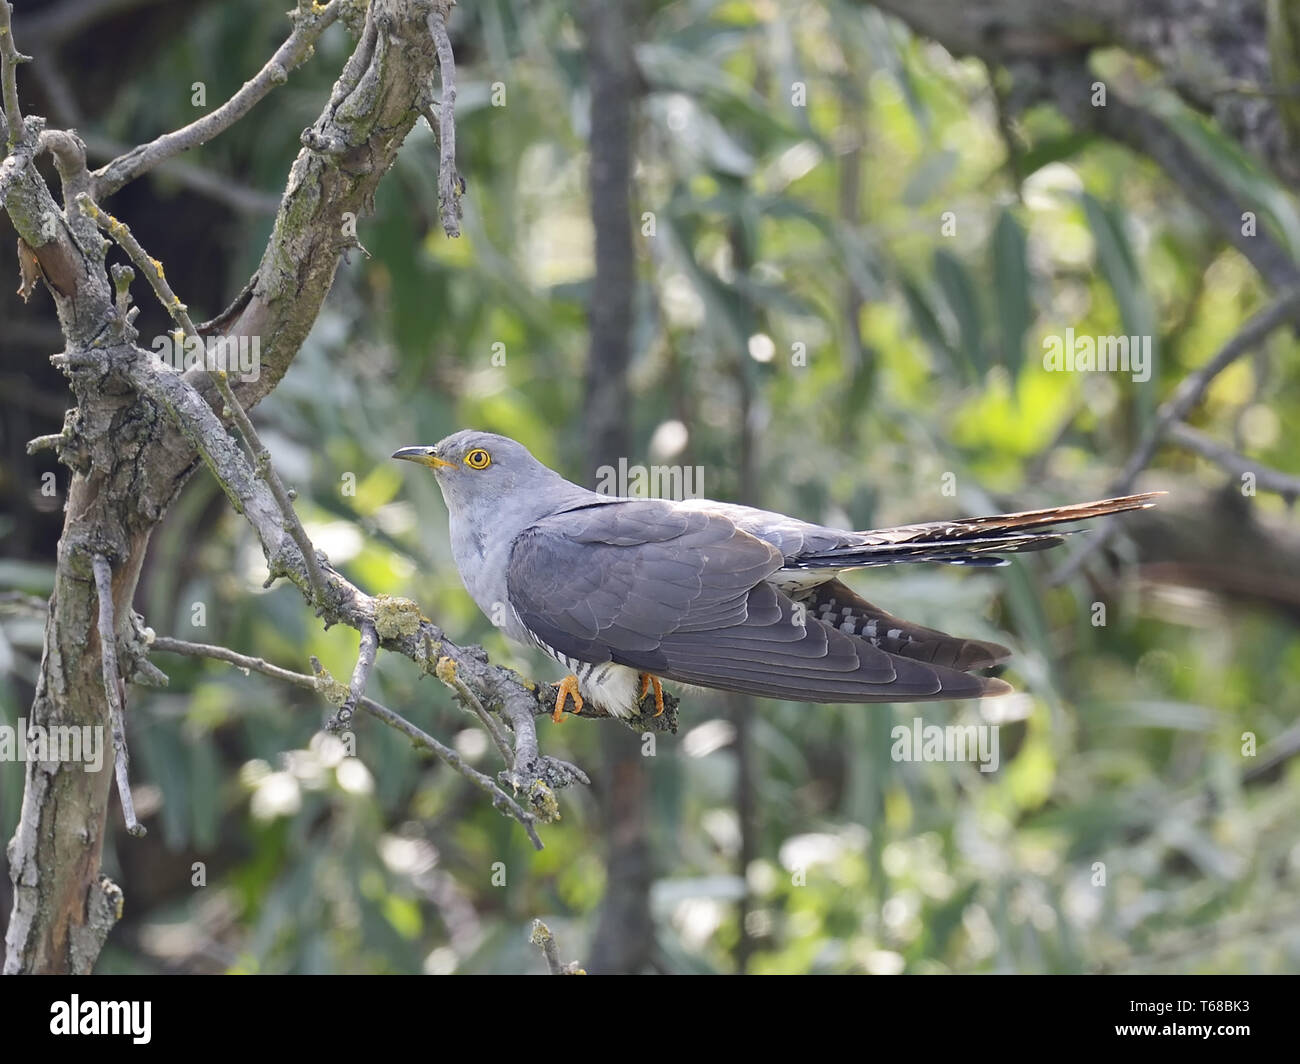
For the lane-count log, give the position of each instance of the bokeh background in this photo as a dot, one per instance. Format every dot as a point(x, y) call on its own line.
point(805, 331)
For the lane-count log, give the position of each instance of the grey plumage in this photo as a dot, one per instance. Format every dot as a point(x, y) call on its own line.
point(705, 593)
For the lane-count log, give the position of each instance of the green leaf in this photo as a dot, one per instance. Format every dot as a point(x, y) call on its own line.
point(1012, 282)
point(1118, 265)
point(959, 293)
point(1233, 166)
point(926, 322)
point(1052, 150)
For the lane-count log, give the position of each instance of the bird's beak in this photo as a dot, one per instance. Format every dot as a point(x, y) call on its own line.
point(423, 455)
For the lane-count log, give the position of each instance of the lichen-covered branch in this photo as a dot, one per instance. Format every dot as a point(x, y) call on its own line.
point(179, 312)
point(542, 938)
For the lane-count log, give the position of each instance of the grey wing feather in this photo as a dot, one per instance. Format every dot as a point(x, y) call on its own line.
point(684, 594)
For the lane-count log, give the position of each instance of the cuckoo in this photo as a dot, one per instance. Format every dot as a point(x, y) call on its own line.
point(628, 592)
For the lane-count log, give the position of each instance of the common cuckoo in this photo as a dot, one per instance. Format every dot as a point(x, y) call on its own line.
point(626, 592)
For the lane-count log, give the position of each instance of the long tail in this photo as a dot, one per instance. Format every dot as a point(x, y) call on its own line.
point(971, 541)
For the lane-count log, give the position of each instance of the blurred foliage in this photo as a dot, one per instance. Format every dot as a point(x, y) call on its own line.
point(923, 357)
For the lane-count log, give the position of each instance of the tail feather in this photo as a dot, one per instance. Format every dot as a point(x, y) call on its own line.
point(975, 540)
point(1052, 515)
point(843, 608)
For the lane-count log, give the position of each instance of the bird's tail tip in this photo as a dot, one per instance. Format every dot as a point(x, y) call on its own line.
point(995, 688)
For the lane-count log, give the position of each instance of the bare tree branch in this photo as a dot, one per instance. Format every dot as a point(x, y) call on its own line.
point(113, 691)
point(1284, 310)
point(10, 58)
point(220, 188)
point(360, 677)
point(500, 800)
point(446, 672)
point(421, 739)
point(309, 22)
point(449, 180)
point(133, 445)
point(1208, 447)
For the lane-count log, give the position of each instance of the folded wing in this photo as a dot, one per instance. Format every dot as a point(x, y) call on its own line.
point(686, 594)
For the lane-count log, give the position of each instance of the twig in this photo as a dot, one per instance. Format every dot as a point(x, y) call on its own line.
point(113, 691)
point(10, 58)
point(449, 186)
point(1283, 310)
point(500, 799)
point(1208, 447)
point(310, 22)
point(220, 188)
point(150, 267)
point(45, 443)
point(153, 271)
point(446, 672)
point(446, 754)
point(360, 677)
point(262, 457)
point(542, 938)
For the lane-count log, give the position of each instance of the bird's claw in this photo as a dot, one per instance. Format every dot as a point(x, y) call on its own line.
point(568, 688)
point(648, 681)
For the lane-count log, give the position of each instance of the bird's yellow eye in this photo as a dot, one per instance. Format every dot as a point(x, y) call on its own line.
point(478, 459)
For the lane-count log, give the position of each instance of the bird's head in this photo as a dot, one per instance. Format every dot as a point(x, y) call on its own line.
point(481, 473)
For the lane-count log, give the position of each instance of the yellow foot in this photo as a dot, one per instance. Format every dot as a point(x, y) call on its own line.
point(648, 681)
point(568, 689)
